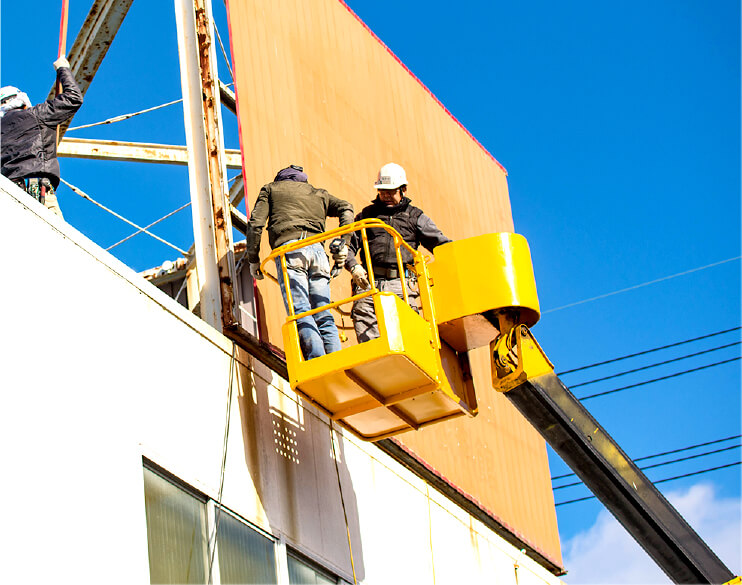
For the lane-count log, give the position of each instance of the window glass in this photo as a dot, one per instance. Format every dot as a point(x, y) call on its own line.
point(176, 532)
point(245, 555)
point(301, 573)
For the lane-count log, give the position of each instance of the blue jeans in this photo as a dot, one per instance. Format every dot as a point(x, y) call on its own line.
point(308, 270)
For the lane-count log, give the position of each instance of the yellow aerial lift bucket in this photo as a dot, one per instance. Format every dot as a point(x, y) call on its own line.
point(404, 379)
point(477, 277)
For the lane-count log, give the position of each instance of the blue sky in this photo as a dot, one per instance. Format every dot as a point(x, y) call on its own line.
point(619, 125)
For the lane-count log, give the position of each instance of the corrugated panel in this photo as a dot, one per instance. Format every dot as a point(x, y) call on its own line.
point(315, 87)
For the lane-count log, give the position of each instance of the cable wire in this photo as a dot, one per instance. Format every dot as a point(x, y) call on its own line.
point(84, 195)
point(714, 442)
point(734, 359)
point(181, 289)
point(659, 481)
point(342, 502)
point(678, 460)
point(623, 290)
point(689, 457)
point(677, 359)
point(625, 357)
point(139, 231)
point(215, 531)
point(125, 116)
point(224, 53)
point(688, 448)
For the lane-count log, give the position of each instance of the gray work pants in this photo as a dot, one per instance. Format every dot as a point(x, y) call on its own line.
point(363, 315)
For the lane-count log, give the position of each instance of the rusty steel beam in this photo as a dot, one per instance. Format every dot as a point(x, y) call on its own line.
point(217, 172)
point(239, 220)
point(228, 98)
point(212, 225)
point(92, 43)
point(237, 190)
point(134, 152)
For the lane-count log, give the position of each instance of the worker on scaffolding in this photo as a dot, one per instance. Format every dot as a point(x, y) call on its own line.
point(28, 136)
point(295, 210)
point(393, 207)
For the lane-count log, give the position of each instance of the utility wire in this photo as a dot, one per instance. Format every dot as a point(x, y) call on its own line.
point(125, 116)
point(688, 448)
point(139, 231)
point(666, 453)
point(625, 357)
point(677, 359)
point(84, 195)
point(689, 457)
point(623, 290)
point(658, 379)
point(678, 460)
point(659, 481)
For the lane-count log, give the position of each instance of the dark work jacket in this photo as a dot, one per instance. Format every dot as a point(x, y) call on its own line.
point(413, 225)
point(292, 208)
point(28, 137)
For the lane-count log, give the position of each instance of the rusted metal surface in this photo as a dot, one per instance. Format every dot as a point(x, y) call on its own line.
point(134, 152)
point(200, 146)
point(228, 98)
point(214, 140)
point(237, 190)
point(92, 42)
point(264, 352)
point(239, 220)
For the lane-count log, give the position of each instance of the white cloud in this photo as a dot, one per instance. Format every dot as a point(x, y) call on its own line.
point(605, 553)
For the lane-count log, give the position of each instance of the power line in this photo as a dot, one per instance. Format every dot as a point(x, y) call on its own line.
point(697, 472)
point(688, 448)
point(689, 457)
point(625, 357)
point(623, 290)
point(714, 442)
point(658, 379)
point(659, 481)
point(677, 359)
point(678, 460)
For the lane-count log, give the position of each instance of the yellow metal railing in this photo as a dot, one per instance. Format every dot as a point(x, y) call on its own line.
point(362, 225)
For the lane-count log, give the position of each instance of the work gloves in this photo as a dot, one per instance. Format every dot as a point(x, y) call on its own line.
point(255, 271)
point(61, 62)
point(360, 278)
point(341, 255)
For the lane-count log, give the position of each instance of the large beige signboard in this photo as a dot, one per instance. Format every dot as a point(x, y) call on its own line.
point(315, 87)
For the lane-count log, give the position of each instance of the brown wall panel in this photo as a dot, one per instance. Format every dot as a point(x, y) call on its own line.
point(315, 87)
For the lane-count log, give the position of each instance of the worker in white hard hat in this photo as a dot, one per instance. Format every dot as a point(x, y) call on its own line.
point(28, 136)
point(393, 207)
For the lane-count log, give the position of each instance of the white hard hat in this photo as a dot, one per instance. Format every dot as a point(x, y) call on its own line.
point(391, 176)
point(12, 98)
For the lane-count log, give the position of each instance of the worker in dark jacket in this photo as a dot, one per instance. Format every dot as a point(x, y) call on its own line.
point(393, 207)
point(296, 210)
point(28, 136)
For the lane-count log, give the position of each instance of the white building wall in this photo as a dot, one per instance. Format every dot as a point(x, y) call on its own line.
point(99, 368)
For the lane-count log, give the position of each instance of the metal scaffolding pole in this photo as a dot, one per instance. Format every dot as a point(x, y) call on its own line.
point(92, 43)
point(212, 226)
